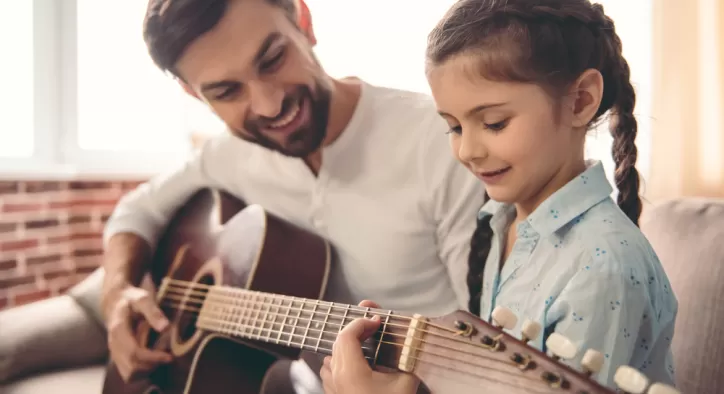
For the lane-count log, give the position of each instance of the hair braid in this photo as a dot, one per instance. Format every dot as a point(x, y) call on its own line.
point(480, 244)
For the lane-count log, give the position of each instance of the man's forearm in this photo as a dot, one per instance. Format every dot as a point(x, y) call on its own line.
point(126, 259)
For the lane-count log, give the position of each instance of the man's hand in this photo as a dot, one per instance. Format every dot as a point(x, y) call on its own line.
point(123, 305)
point(347, 371)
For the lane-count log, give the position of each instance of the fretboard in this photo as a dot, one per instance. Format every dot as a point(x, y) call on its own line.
point(297, 322)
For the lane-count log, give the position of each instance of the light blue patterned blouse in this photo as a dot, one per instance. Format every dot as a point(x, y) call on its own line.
point(581, 268)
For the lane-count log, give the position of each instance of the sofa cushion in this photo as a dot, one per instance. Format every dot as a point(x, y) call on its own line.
point(688, 236)
point(50, 334)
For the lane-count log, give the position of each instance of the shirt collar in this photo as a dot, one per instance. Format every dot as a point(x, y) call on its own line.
point(566, 204)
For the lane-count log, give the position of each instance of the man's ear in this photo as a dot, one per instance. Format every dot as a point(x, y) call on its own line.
point(305, 22)
point(188, 89)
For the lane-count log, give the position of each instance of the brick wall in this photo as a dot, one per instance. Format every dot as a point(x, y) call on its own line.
point(50, 235)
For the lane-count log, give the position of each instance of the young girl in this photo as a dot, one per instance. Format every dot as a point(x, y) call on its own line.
point(520, 82)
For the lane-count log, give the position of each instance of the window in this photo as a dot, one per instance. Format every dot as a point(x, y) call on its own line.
point(634, 25)
point(84, 94)
point(382, 44)
point(17, 71)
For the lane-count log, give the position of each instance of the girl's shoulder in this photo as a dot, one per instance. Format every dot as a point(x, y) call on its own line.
point(605, 234)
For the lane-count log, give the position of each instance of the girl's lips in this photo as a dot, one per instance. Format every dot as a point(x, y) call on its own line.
point(491, 177)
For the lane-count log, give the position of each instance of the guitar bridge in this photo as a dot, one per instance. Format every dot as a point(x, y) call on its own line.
point(411, 347)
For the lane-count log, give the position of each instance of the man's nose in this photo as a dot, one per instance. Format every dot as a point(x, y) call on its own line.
point(266, 99)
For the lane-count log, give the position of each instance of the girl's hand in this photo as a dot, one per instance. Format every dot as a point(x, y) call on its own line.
point(347, 370)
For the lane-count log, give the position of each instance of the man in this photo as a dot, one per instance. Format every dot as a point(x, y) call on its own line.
point(366, 167)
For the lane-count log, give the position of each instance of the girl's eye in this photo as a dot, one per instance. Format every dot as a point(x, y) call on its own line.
point(496, 127)
point(455, 130)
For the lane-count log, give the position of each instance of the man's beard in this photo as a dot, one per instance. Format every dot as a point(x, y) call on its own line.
point(306, 139)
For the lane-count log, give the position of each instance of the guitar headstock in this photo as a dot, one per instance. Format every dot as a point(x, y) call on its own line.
point(461, 353)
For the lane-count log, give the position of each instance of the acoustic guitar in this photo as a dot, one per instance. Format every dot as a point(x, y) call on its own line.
point(243, 289)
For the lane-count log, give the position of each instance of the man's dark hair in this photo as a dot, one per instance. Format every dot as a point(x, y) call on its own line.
point(170, 26)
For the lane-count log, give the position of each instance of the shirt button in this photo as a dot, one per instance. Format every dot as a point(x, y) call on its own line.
point(318, 222)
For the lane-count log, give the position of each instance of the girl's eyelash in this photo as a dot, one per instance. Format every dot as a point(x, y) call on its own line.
point(456, 130)
point(494, 127)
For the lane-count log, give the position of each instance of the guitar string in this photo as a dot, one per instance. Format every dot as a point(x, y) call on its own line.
point(240, 291)
point(200, 296)
point(327, 314)
point(290, 309)
point(331, 305)
point(221, 326)
point(269, 313)
point(263, 330)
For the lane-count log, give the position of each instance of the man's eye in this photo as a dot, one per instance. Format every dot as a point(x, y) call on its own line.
point(274, 62)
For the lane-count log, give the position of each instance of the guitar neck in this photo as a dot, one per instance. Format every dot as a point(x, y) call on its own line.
point(305, 324)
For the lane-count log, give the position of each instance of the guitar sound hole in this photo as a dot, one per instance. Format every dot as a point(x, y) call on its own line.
point(196, 297)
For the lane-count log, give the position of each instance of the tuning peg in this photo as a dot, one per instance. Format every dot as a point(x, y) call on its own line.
point(592, 361)
point(530, 330)
point(504, 317)
point(630, 380)
point(561, 347)
point(660, 388)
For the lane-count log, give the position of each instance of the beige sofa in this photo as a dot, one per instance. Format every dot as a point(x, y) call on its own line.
point(58, 345)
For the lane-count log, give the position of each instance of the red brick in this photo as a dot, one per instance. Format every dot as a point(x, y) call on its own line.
point(21, 207)
point(85, 270)
point(13, 281)
point(7, 265)
point(26, 298)
point(87, 252)
point(61, 284)
point(8, 227)
point(86, 185)
point(59, 239)
point(4, 303)
point(87, 264)
point(130, 185)
point(34, 224)
point(57, 273)
point(30, 261)
point(44, 186)
point(18, 245)
point(9, 187)
point(76, 219)
point(79, 236)
point(79, 203)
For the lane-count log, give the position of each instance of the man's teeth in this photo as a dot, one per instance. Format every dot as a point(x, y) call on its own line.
point(291, 114)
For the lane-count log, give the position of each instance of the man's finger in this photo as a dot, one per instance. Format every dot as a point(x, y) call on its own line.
point(121, 338)
point(150, 311)
point(142, 355)
point(368, 304)
point(347, 349)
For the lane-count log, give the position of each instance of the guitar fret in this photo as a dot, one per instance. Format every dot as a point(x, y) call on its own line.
point(295, 322)
point(269, 305)
point(309, 323)
point(382, 336)
point(256, 317)
point(225, 317)
point(344, 319)
point(246, 314)
point(284, 320)
point(238, 310)
point(324, 325)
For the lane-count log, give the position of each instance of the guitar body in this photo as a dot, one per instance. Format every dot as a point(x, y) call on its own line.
point(215, 239)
